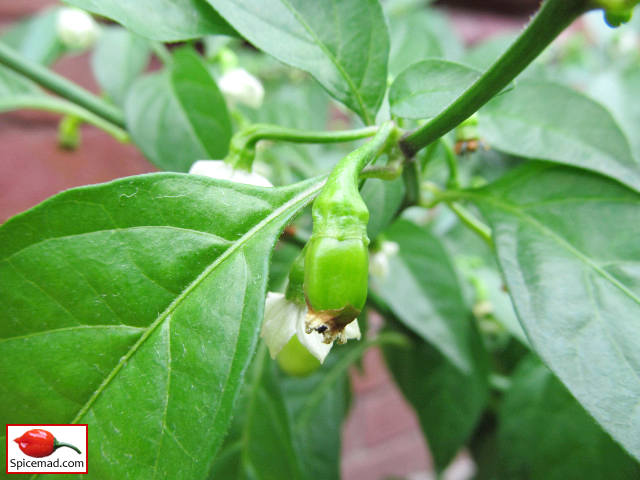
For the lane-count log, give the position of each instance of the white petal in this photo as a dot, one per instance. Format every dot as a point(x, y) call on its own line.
point(379, 265)
point(279, 325)
point(352, 330)
point(314, 341)
point(76, 28)
point(221, 169)
point(240, 86)
point(212, 168)
point(390, 248)
point(250, 178)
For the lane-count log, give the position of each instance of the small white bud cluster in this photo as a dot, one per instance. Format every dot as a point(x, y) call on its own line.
point(77, 29)
point(239, 86)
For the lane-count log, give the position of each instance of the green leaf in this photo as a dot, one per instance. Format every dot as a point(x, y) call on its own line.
point(383, 199)
point(118, 59)
point(318, 405)
point(283, 257)
point(164, 20)
point(179, 116)
point(135, 306)
point(614, 91)
point(418, 34)
point(267, 448)
point(36, 38)
point(544, 434)
point(567, 243)
point(547, 121)
point(344, 44)
point(423, 291)
point(448, 402)
point(426, 88)
point(277, 433)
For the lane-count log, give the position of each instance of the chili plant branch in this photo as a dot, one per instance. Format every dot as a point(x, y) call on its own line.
point(58, 105)
point(452, 198)
point(243, 143)
point(61, 86)
point(552, 18)
point(262, 131)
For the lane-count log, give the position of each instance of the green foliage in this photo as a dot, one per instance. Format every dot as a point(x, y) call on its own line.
point(179, 116)
point(344, 44)
point(136, 306)
point(288, 427)
point(36, 37)
point(168, 21)
point(545, 121)
point(119, 58)
point(426, 88)
point(422, 289)
point(168, 239)
point(576, 287)
point(545, 434)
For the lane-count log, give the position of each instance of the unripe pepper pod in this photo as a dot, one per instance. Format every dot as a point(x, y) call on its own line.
point(335, 282)
point(337, 260)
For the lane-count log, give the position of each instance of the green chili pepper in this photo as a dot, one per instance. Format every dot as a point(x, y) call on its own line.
point(337, 260)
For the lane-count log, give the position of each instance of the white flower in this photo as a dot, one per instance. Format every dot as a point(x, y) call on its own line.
point(239, 86)
point(379, 260)
point(76, 28)
point(221, 169)
point(284, 318)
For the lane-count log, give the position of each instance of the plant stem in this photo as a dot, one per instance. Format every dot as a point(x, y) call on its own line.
point(451, 198)
point(389, 172)
point(243, 144)
point(58, 105)
point(350, 166)
point(472, 222)
point(60, 85)
point(260, 131)
point(452, 162)
point(411, 177)
point(552, 18)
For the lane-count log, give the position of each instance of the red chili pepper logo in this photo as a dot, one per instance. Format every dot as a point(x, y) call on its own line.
point(39, 443)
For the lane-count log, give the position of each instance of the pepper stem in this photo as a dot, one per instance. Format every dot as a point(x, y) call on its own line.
point(553, 17)
point(57, 445)
point(339, 210)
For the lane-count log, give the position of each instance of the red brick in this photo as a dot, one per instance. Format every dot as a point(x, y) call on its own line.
point(353, 437)
point(34, 168)
point(475, 26)
point(386, 414)
point(14, 9)
point(400, 456)
point(374, 372)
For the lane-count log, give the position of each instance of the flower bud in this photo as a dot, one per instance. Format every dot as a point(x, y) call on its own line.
point(77, 29)
point(239, 86)
point(379, 259)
